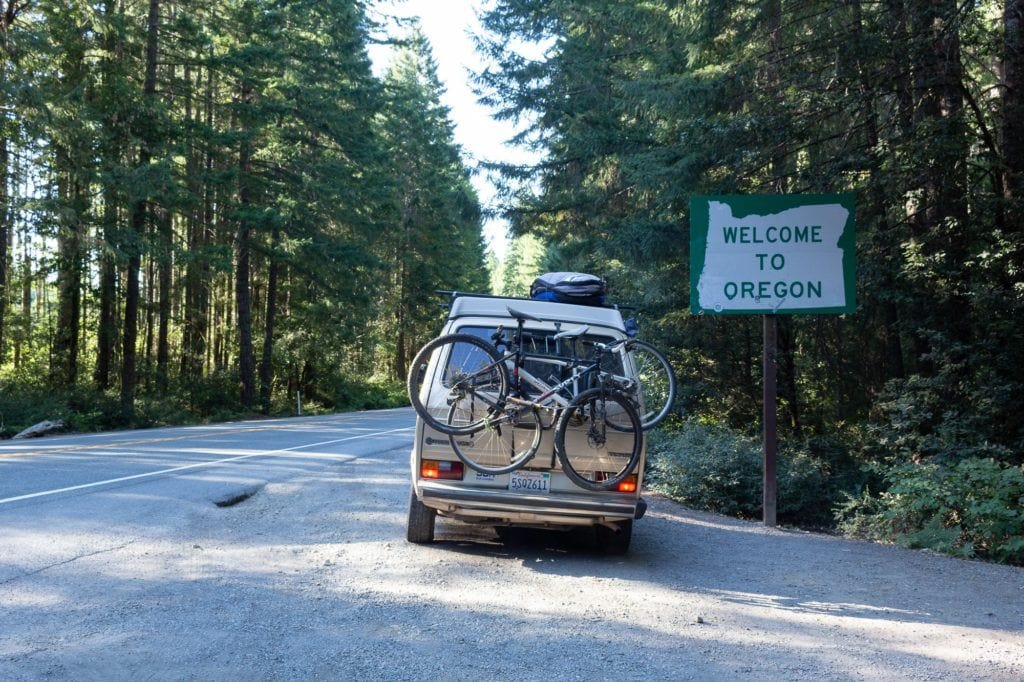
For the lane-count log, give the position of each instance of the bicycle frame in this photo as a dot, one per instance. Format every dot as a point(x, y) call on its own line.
point(548, 392)
point(510, 407)
point(552, 392)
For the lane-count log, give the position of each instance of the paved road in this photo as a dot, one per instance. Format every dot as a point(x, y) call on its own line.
point(51, 467)
point(116, 562)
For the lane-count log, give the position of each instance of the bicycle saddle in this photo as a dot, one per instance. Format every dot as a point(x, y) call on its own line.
point(572, 333)
point(522, 317)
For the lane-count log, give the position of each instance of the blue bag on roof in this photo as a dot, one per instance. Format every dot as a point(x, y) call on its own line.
point(570, 287)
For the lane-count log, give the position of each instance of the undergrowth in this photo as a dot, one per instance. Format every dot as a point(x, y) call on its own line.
point(971, 507)
point(211, 399)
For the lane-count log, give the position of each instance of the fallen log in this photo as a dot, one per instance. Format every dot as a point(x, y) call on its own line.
point(40, 429)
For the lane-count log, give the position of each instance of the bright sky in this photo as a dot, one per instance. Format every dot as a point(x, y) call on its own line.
point(449, 25)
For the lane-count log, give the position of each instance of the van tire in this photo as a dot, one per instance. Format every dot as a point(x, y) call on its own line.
point(615, 542)
point(420, 525)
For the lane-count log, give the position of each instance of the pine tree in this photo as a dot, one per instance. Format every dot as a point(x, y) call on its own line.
point(438, 243)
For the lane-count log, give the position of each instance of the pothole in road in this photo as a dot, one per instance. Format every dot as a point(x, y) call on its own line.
point(237, 496)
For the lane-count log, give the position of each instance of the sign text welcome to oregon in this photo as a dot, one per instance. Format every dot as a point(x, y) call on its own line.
point(764, 254)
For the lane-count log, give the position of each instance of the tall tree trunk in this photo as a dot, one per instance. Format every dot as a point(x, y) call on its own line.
point(72, 205)
point(106, 331)
point(201, 342)
point(5, 241)
point(940, 104)
point(1013, 112)
point(165, 267)
point(913, 315)
point(150, 307)
point(266, 362)
point(138, 223)
point(216, 328)
point(401, 365)
point(942, 218)
point(895, 13)
point(196, 271)
point(25, 332)
point(8, 16)
point(129, 338)
point(64, 368)
point(243, 237)
point(884, 232)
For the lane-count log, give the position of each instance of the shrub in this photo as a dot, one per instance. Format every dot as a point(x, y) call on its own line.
point(22, 405)
point(922, 418)
point(215, 395)
point(971, 508)
point(713, 467)
point(88, 409)
point(345, 394)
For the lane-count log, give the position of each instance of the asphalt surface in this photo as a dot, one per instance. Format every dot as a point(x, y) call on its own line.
point(275, 550)
point(67, 465)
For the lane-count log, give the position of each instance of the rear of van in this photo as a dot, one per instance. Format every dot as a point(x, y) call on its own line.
point(538, 495)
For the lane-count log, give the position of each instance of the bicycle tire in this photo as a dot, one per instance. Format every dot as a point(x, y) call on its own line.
point(473, 372)
point(586, 418)
point(504, 443)
point(655, 391)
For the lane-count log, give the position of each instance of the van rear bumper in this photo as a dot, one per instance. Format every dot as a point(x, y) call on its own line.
point(497, 504)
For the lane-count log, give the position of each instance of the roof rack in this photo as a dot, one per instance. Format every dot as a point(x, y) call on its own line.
point(452, 295)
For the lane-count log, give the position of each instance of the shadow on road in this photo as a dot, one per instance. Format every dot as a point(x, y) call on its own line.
point(744, 563)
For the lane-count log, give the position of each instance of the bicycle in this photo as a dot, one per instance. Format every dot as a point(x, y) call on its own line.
point(495, 427)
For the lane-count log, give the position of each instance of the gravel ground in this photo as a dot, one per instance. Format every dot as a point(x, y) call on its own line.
point(311, 577)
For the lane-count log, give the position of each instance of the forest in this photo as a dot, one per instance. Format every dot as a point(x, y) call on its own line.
point(212, 209)
point(899, 422)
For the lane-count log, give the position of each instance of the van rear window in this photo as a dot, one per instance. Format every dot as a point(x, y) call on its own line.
point(545, 355)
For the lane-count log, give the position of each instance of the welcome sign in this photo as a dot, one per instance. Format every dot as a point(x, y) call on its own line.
point(765, 254)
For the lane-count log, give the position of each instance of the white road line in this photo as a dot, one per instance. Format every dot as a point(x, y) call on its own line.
point(196, 466)
point(313, 420)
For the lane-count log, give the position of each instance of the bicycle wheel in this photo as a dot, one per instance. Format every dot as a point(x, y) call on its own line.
point(505, 442)
point(656, 391)
point(457, 369)
point(594, 455)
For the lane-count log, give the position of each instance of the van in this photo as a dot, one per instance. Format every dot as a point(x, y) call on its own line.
point(539, 495)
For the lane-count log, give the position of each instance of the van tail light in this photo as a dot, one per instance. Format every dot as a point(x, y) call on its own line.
point(433, 468)
point(627, 485)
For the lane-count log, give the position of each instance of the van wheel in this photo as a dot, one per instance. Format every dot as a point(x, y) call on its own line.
point(420, 525)
point(615, 542)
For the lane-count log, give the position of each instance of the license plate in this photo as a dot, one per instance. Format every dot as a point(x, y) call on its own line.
point(529, 481)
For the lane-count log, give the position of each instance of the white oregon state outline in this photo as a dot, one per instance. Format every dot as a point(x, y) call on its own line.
point(743, 275)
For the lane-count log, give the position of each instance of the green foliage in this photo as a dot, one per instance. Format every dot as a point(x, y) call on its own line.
point(210, 397)
point(924, 418)
point(85, 409)
point(345, 394)
point(971, 508)
point(434, 240)
point(521, 265)
point(225, 147)
point(638, 105)
point(22, 405)
point(713, 467)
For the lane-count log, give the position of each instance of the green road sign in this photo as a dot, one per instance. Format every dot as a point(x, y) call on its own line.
point(765, 254)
